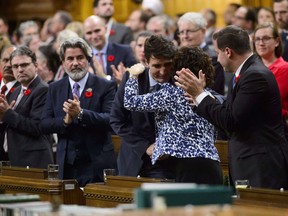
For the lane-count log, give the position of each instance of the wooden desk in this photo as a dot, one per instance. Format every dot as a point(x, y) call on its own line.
point(34, 181)
point(25, 172)
point(262, 197)
point(65, 191)
point(118, 189)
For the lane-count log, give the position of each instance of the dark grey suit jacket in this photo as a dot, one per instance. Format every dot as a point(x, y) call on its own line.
point(117, 53)
point(136, 129)
point(120, 34)
point(27, 145)
point(3, 126)
point(252, 115)
point(219, 80)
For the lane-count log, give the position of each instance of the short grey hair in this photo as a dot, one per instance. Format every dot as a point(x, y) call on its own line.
point(76, 42)
point(163, 19)
point(65, 35)
point(27, 24)
point(196, 18)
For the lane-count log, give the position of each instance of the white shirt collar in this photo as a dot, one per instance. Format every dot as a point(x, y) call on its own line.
point(152, 82)
point(240, 67)
point(103, 51)
point(9, 85)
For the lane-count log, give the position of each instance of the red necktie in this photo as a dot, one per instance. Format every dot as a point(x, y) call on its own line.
point(3, 89)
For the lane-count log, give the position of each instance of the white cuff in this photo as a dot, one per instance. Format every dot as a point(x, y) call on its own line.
point(200, 97)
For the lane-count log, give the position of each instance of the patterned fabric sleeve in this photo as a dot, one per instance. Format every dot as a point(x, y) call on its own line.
point(151, 102)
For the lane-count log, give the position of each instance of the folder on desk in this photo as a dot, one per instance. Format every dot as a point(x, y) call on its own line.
point(181, 194)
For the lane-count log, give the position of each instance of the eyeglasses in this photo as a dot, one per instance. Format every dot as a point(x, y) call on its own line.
point(23, 65)
point(188, 32)
point(265, 39)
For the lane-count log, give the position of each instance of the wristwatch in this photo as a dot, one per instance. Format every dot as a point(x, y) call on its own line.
point(80, 115)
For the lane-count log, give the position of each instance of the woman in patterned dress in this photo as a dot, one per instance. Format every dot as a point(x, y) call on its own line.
point(183, 139)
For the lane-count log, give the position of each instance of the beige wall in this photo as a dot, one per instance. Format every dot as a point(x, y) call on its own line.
point(174, 7)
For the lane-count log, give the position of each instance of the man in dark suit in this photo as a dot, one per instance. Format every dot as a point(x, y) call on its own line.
point(136, 129)
point(106, 53)
point(8, 85)
point(26, 144)
point(77, 109)
point(116, 32)
point(251, 114)
point(192, 28)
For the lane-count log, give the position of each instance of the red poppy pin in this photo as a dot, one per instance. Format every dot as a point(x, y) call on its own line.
point(111, 58)
point(27, 92)
point(237, 78)
point(112, 32)
point(88, 93)
point(12, 89)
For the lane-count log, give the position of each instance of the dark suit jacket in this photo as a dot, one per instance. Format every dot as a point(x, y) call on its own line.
point(219, 80)
point(87, 142)
point(120, 53)
point(252, 116)
point(3, 155)
point(284, 37)
point(27, 145)
point(136, 129)
point(120, 34)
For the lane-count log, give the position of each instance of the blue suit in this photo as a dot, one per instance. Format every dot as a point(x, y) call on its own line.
point(85, 145)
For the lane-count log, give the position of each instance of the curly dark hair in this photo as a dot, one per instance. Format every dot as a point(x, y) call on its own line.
point(195, 59)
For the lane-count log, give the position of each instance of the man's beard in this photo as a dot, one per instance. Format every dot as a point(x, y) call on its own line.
point(76, 74)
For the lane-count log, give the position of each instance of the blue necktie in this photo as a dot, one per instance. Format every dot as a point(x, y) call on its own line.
point(76, 89)
point(234, 81)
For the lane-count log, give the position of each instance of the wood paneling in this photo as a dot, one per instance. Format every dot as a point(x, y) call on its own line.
point(19, 10)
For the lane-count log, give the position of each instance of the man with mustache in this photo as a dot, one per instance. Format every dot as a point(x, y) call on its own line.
point(77, 109)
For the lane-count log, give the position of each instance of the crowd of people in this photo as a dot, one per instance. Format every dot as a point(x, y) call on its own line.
point(167, 86)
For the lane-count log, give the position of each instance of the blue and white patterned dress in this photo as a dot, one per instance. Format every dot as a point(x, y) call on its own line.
point(179, 131)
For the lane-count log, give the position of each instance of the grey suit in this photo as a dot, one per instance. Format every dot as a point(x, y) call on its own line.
point(120, 34)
